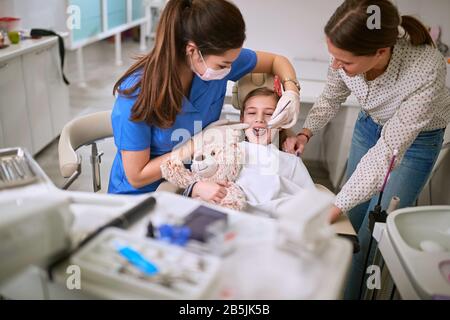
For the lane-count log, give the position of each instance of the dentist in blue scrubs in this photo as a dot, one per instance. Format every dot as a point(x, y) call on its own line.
point(179, 88)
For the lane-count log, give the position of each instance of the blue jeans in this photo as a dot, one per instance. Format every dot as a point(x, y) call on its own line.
point(406, 181)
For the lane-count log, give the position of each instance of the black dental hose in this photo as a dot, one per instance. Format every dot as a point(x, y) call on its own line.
point(376, 215)
point(62, 52)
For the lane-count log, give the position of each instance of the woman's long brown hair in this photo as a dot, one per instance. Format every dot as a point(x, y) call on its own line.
point(347, 28)
point(215, 26)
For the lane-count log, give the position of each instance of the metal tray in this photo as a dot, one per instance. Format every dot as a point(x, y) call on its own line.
point(15, 168)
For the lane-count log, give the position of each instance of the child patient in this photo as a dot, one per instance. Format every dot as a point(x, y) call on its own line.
point(268, 176)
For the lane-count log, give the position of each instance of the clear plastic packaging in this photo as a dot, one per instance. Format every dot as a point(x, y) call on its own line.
point(181, 274)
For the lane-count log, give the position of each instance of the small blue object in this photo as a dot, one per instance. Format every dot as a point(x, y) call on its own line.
point(137, 260)
point(178, 235)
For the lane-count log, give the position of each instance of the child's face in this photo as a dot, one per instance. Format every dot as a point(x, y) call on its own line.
point(257, 112)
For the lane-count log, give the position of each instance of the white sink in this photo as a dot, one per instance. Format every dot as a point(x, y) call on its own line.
point(424, 225)
point(421, 239)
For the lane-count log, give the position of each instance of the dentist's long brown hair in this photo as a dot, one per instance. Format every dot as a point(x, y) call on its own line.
point(215, 26)
point(347, 28)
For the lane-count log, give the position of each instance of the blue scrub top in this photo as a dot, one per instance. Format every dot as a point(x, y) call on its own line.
point(203, 107)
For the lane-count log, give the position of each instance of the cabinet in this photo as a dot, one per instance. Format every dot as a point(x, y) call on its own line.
point(38, 100)
point(34, 101)
point(14, 120)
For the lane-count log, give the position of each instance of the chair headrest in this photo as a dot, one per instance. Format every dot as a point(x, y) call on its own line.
point(247, 84)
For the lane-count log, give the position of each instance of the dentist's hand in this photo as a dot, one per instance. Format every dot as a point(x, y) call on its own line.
point(287, 111)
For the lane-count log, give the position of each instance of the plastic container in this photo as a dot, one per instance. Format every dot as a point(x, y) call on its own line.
point(9, 24)
point(182, 274)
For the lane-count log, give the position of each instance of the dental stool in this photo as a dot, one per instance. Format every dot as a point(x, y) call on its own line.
point(87, 130)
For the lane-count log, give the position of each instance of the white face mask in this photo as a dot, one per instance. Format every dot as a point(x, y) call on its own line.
point(210, 74)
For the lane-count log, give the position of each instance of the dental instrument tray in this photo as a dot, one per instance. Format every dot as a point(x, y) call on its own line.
point(142, 268)
point(15, 169)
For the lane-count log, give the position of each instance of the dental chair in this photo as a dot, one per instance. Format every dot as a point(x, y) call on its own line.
point(89, 129)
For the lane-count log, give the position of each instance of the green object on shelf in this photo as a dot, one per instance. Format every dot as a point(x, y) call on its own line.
point(14, 37)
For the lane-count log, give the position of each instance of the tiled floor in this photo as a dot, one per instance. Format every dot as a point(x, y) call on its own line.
point(101, 74)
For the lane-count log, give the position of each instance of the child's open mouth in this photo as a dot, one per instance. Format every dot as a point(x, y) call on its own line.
point(258, 132)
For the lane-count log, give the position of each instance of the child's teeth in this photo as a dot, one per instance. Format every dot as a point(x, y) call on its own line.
point(259, 131)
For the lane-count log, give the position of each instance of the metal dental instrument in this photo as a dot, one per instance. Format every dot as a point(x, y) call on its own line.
point(2, 173)
point(26, 168)
point(5, 171)
point(282, 109)
point(18, 167)
point(12, 170)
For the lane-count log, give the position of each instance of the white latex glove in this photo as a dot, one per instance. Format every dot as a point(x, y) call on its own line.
point(286, 117)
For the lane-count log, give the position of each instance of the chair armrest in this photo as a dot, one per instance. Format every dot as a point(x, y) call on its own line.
point(81, 131)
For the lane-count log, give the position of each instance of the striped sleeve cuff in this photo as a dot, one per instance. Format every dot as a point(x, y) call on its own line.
point(188, 191)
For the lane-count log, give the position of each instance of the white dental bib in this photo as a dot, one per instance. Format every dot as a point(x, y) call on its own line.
point(269, 177)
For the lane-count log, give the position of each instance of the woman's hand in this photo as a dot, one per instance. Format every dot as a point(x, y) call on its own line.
point(287, 111)
point(210, 191)
point(334, 214)
point(295, 145)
